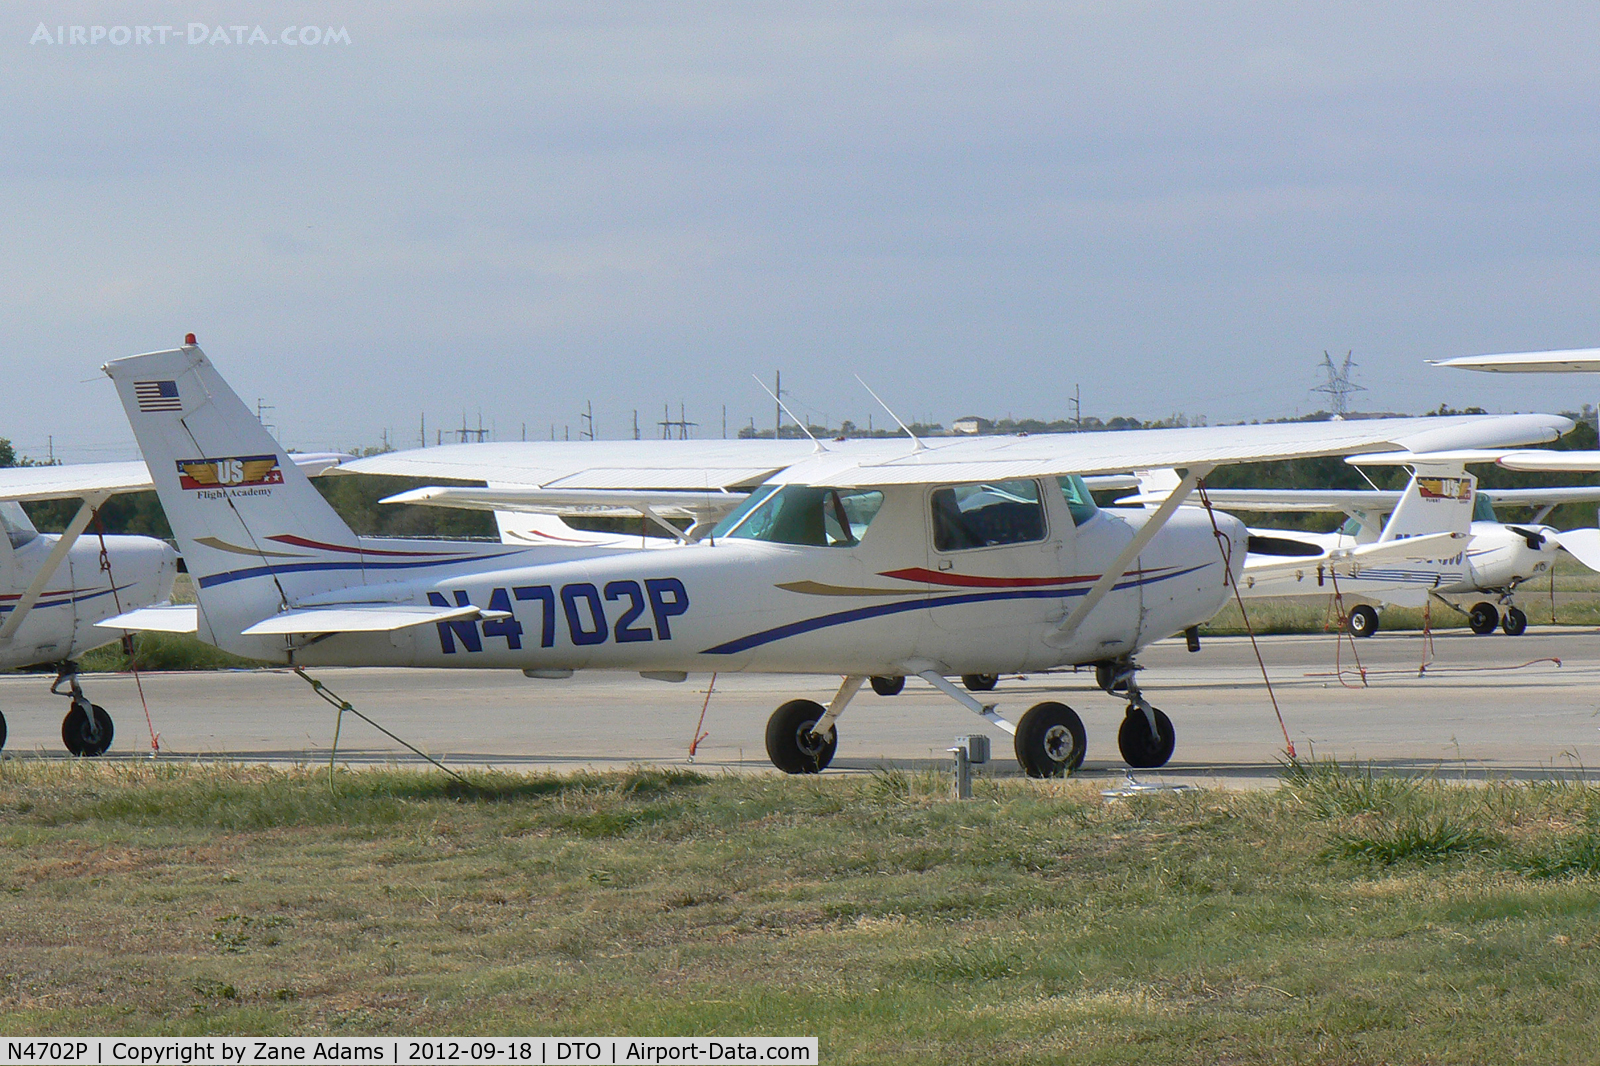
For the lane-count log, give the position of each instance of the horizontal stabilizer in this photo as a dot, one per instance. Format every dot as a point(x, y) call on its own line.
point(1351, 559)
point(165, 618)
point(361, 618)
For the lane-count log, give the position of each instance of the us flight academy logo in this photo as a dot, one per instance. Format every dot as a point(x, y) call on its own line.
point(240, 472)
point(1444, 488)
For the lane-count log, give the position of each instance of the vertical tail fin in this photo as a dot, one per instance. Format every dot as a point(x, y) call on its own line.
point(1438, 499)
point(254, 532)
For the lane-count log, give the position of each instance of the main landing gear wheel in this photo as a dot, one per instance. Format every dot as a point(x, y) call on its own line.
point(1483, 618)
point(2, 730)
point(1515, 623)
point(888, 686)
point(1050, 740)
point(980, 682)
point(87, 730)
point(1363, 621)
point(1141, 749)
point(792, 746)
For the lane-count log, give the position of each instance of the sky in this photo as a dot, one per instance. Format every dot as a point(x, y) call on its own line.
point(514, 210)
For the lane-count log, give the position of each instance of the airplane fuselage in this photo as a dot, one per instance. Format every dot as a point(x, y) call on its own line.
point(61, 624)
point(880, 606)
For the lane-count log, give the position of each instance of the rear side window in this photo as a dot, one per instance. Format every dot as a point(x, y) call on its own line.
point(986, 515)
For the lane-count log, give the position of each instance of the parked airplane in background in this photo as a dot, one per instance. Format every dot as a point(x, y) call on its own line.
point(58, 590)
point(1441, 496)
point(857, 558)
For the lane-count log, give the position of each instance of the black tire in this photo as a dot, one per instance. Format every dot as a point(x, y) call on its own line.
point(81, 738)
point(1483, 618)
point(2, 730)
point(1363, 621)
point(791, 745)
point(1050, 740)
point(888, 686)
point(980, 682)
point(1139, 749)
point(1515, 623)
point(1105, 675)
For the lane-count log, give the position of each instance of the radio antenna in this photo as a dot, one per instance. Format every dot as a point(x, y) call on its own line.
point(919, 445)
point(803, 427)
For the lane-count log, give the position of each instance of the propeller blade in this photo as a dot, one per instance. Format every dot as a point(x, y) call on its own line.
point(1583, 545)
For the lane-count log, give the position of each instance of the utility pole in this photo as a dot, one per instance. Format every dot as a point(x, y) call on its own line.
point(1077, 407)
point(724, 421)
point(422, 431)
point(588, 418)
point(635, 423)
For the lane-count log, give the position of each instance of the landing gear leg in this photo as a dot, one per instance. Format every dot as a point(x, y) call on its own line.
point(801, 738)
point(1146, 738)
point(87, 729)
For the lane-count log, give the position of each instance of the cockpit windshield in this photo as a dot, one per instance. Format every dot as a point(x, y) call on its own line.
point(14, 520)
point(801, 514)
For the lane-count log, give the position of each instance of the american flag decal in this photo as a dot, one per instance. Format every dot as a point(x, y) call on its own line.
point(157, 395)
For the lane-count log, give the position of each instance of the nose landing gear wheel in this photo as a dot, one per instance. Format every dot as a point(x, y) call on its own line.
point(1140, 749)
point(1483, 618)
point(1050, 740)
point(2, 730)
point(1515, 623)
point(980, 682)
point(1363, 621)
point(792, 746)
point(888, 686)
point(84, 737)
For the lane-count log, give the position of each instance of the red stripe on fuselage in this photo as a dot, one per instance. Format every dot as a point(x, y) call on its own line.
point(302, 542)
point(967, 581)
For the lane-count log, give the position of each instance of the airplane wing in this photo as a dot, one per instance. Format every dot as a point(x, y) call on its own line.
point(1573, 360)
point(362, 618)
point(711, 466)
point(161, 618)
point(1351, 559)
point(1055, 455)
point(1287, 500)
point(682, 465)
point(27, 483)
point(596, 502)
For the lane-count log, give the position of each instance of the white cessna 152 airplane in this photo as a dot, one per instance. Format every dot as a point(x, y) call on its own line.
point(1440, 497)
point(54, 588)
point(855, 558)
point(58, 591)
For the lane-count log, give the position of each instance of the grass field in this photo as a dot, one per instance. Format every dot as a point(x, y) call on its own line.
point(1339, 919)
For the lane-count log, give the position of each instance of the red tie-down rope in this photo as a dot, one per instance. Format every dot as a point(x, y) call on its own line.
point(1225, 547)
point(1343, 634)
point(127, 638)
point(699, 736)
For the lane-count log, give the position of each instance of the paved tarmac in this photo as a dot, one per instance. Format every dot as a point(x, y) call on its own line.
point(1489, 706)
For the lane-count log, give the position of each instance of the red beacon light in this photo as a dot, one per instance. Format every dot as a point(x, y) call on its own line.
point(188, 338)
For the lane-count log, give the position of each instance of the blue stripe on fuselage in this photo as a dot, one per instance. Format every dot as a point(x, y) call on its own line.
point(228, 576)
point(878, 610)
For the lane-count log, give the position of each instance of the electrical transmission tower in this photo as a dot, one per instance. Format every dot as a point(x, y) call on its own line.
point(1339, 386)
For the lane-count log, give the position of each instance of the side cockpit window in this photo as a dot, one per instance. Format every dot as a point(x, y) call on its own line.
point(987, 515)
point(1079, 500)
point(14, 520)
point(1483, 508)
point(802, 514)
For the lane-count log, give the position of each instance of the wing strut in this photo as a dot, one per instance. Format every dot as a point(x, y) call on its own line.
point(52, 562)
point(1119, 566)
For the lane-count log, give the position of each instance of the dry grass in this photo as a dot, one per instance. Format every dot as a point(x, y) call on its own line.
point(1344, 918)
